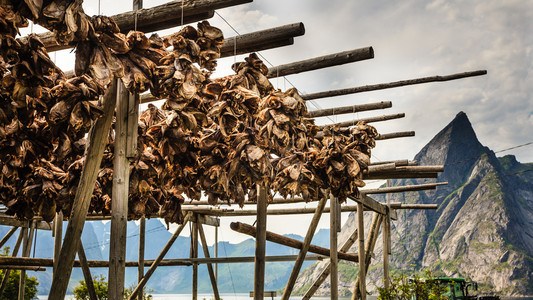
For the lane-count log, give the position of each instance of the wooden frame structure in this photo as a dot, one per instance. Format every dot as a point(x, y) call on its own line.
point(127, 106)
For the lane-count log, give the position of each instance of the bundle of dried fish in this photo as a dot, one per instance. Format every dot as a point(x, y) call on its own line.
point(252, 75)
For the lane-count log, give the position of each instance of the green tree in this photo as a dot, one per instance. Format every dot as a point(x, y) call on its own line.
point(100, 286)
point(404, 287)
point(12, 287)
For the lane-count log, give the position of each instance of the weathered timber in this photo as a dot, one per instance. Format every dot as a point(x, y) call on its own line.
point(193, 255)
point(159, 258)
point(305, 247)
point(380, 168)
point(389, 85)
point(27, 268)
point(333, 259)
point(96, 143)
point(260, 234)
point(327, 269)
point(207, 220)
point(159, 17)
point(394, 135)
point(48, 262)
point(348, 109)
point(322, 62)
point(361, 249)
point(386, 235)
point(8, 235)
point(345, 125)
point(12, 221)
point(370, 204)
point(400, 174)
point(142, 241)
point(210, 270)
point(280, 239)
point(86, 273)
point(369, 248)
point(58, 236)
point(13, 255)
point(249, 42)
point(25, 253)
point(404, 188)
point(119, 205)
point(398, 163)
point(396, 205)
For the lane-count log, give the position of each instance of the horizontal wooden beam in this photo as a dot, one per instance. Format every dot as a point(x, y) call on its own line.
point(12, 221)
point(398, 163)
point(403, 188)
point(29, 262)
point(259, 40)
point(346, 124)
point(397, 205)
point(382, 86)
point(155, 18)
point(322, 62)
point(401, 175)
point(348, 109)
point(394, 135)
point(289, 242)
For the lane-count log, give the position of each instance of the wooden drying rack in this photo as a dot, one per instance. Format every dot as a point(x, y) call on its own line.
point(126, 106)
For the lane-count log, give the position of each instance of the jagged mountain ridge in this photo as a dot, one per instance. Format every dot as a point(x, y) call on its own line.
point(482, 230)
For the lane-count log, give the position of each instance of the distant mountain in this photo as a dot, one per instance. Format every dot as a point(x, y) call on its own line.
point(231, 277)
point(483, 228)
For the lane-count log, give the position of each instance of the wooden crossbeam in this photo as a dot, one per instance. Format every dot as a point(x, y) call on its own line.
point(349, 109)
point(345, 125)
point(389, 85)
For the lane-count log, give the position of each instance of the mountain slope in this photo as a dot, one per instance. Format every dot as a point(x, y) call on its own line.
point(483, 228)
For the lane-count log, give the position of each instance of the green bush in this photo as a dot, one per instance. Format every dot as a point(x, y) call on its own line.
point(404, 287)
point(11, 290)
point(100, 286)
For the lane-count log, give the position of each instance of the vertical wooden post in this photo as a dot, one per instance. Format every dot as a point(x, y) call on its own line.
point(58, 236)
point(216, 253)
point(305, 247)
point(209, 265)
point(86, 273)
point(14, 254)
point(386, 247)
point(362, 259)
point(260, 243)
point(8, 235)
point(95, 149)
point(194, 254)
point(369, 248)
point(159, 258)
point(334, 272)
point(133, 110)
point(142, 235)
point(26, 250)
point(119, 203)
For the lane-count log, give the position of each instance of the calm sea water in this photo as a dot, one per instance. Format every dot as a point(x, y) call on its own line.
point(247, 297)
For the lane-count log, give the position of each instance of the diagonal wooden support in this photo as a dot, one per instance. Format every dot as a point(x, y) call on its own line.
point(362, 259)
point(325, 273)
point(95, 149)
point(194, 255)
point(159, 258)
point(260, 243)
point(8, 235)
point(14, 254)
point(142, 238)
point(26, 250)
point(334, 262)
point(209, 265)
point(306, 243)
point(369, 248)
point(86, 273)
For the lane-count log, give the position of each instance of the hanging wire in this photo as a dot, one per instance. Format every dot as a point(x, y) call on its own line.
point(98, 7)
point(182, 14)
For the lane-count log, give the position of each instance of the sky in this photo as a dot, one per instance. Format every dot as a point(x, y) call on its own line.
point(411, 38)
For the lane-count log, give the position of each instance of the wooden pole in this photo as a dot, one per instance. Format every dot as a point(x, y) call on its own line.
point(142, 237)
point(389, 85)
point(386, 239)
point(86, 273)
point(8, 235)
point(394, 135)
point(346, 124)
point(369, 248)
point(216, 253)
point(14, 254)
point(404, 188)
point(210, 270)
point(322, 62)
point(26, 250)
point(194, 254)
point(159, 258)
point(334, 267)
point(327, 269)
point(260, 243)
point(95, 149)
point(58, 236)
point(362, 260)
point(305, 247)
point(119, 203)
point(348, 109)
point(286, 241)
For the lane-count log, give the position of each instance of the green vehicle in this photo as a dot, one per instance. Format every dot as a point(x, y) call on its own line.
point(461, 289)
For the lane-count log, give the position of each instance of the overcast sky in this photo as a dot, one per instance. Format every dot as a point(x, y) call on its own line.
point(412, 38)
